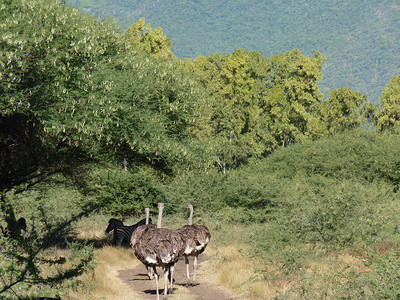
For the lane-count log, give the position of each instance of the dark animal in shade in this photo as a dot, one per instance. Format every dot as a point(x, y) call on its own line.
point(14, 228)
point(122, 233)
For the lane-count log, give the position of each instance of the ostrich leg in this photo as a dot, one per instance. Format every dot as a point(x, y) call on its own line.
point(156, 278)
point(187, 270)
point(195, 267)
point(166, 273)
point(171, 271)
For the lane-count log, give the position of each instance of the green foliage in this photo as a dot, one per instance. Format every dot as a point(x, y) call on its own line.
point(150, 110)
point(341, 214)
point(346, 200)
point(31, 262)
point(203, 189)
point(47, 55)
point(236, 126)
point(360, 154)
point(293, 100)
point(76, 79)
point(303, 202)
point(257, 104)
point(345, 110)
point(388, 117)
point(381, 283)
point(149, 40)
point(116, 191)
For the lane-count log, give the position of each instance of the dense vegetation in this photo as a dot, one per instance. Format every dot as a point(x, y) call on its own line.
point(96, 120)
point(357, 37)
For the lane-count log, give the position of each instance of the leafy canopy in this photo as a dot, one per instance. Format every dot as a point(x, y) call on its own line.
point(388, 117)
point(345, 110)
point(149, 40)
point(236, 126)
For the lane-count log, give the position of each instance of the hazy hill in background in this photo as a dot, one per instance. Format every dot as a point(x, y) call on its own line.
point(359, 38)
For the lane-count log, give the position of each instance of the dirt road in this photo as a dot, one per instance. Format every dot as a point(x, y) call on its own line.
point(138, 281)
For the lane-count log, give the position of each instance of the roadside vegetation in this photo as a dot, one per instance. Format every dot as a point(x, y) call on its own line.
point(300, 194)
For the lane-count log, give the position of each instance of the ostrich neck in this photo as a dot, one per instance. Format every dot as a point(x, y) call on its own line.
point(147, 216)
point(191, 216)
point(160, 211)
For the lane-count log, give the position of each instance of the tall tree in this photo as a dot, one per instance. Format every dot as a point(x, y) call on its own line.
point(236, 126)
point(388, 116)
point(293, 98)
point(147, 112)
point(85, 91)
point(345, 109)
point(150, 40)
point(47, 55)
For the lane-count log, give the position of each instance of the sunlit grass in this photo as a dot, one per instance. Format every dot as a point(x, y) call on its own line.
point(108, 285)
point(246, 277)
point(105, 279)
point(235, 272)
point(108, 260)
point(234, 268)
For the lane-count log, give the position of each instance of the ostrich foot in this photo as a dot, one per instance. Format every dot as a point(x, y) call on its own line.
point(193, 283)
point(167, 292)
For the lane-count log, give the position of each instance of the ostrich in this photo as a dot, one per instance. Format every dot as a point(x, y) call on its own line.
point(197, 238)
point(158, 247)
point(149, 269)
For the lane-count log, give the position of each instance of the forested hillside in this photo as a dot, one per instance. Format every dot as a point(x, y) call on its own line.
point(98, 122)
point(359, 38)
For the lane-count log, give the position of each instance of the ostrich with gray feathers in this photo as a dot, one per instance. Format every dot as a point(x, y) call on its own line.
point(197, 238)
point(158, 247)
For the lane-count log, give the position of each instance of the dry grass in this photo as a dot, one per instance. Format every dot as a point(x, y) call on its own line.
point(109, 260)
point(105, 278)
point(231, 268)
point(234, 271)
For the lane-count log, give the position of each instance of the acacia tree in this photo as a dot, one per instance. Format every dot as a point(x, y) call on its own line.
point(47, 55)
point(388, 116)
point(150, 111)
point(346, 109)
point(72, 90)
point(86, 92)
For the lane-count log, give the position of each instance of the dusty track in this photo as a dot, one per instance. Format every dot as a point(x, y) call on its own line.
point(138, 281)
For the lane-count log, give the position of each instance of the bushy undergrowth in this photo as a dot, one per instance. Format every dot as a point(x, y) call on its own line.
point(120, 192)
point(305, 201)
point(45, 260)
point(291, 210)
